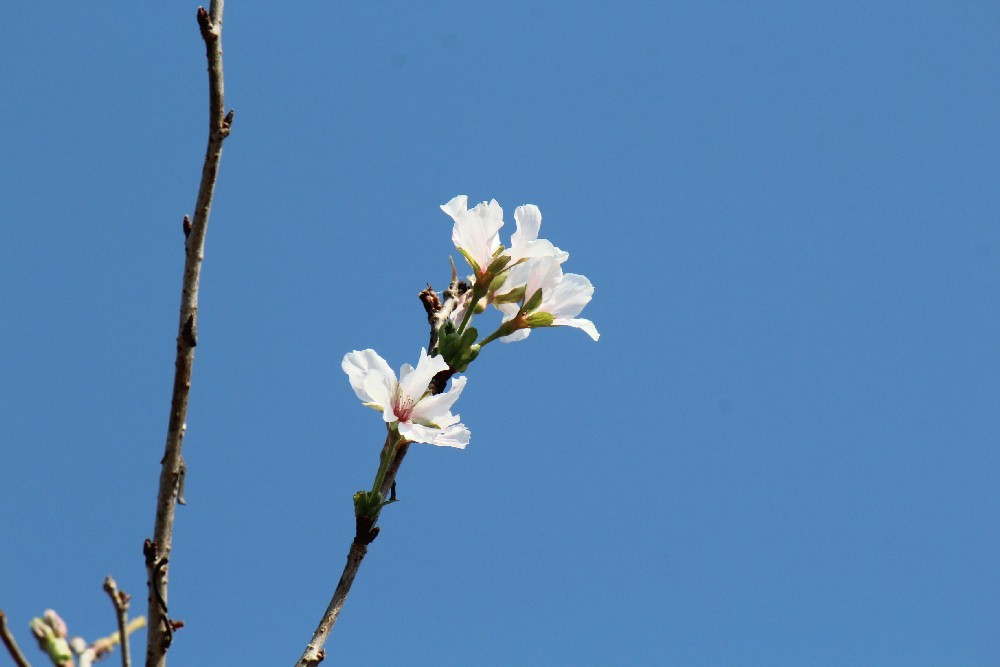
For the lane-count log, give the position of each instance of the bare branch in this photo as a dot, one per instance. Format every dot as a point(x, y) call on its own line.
point(120, 599)
point(8, 640)
point(315, 652)
point(157, 550)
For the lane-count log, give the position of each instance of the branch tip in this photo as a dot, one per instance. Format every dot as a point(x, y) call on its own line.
point(8, 640)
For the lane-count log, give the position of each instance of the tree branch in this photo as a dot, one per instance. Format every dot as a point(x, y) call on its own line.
point(120, 599)
point(366, 532)
point(8, 640)
point(157, 550)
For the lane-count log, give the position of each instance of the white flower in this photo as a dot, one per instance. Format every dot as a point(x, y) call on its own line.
point(475, 231)
point(524, 243)
point(563, 296)
point(420, 417)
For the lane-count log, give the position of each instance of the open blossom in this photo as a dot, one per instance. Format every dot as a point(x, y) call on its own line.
point(475, 231)
point(420, 416)
point(564, 295)
point(524, 242)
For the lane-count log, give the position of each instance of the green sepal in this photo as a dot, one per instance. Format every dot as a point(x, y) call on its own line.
point(368, 503)
point(539, 320)
point(534, 302)
point(498, 264)
point(516, 295)
point(472, 262)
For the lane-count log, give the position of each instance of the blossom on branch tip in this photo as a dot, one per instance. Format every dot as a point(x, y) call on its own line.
point(550, 298)
point(475, 231)
point(406, 402)
point(524, 242)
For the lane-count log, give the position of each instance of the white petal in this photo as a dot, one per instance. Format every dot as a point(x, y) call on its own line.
point(418, 433)
point(456, 207)
point(544, 273)
point(457, 435)
point(525, 243)
point(520, 334)
point(537, 248)
point(516, 277)
point(509, 310)
point(475, 232)
point(528, 220)
point(434, 408)
point(568, 297)
point(414, 385)
point(358, 365)
point(381, 389)
point(579, 323)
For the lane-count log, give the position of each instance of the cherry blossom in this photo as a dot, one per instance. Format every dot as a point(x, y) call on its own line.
point(406, 402)
point(524, 242)
point(475, 231)
point(550, 298)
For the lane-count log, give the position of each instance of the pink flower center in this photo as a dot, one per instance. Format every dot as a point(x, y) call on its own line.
point(402, 406)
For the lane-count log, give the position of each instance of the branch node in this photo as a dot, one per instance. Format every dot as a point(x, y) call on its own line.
point(205, 24)
point(227, 124)
point(186, 225)
point(190, 332)
point(181, 477)
point(365, 530)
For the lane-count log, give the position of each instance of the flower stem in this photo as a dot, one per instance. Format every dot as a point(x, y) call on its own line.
point(505, 329)
point(479, 290)
point(392, 440)
point(468, 313)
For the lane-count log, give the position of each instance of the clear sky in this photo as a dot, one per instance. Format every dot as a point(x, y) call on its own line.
point(783, 450)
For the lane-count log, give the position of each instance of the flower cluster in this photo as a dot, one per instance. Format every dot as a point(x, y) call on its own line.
point(524, 281)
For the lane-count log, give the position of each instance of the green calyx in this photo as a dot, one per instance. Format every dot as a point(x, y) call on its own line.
point(516, 295)
point(498, 264)
point(458, 349)
point(539, 320)
point(472, 262)
point(533, 303)
point(368, 504)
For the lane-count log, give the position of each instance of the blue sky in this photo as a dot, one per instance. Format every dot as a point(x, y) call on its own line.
point(783, 450)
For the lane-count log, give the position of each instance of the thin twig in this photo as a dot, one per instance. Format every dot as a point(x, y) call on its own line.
point(120, 599)
point(101, 647)
point(157, 550)
point(8, 640)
